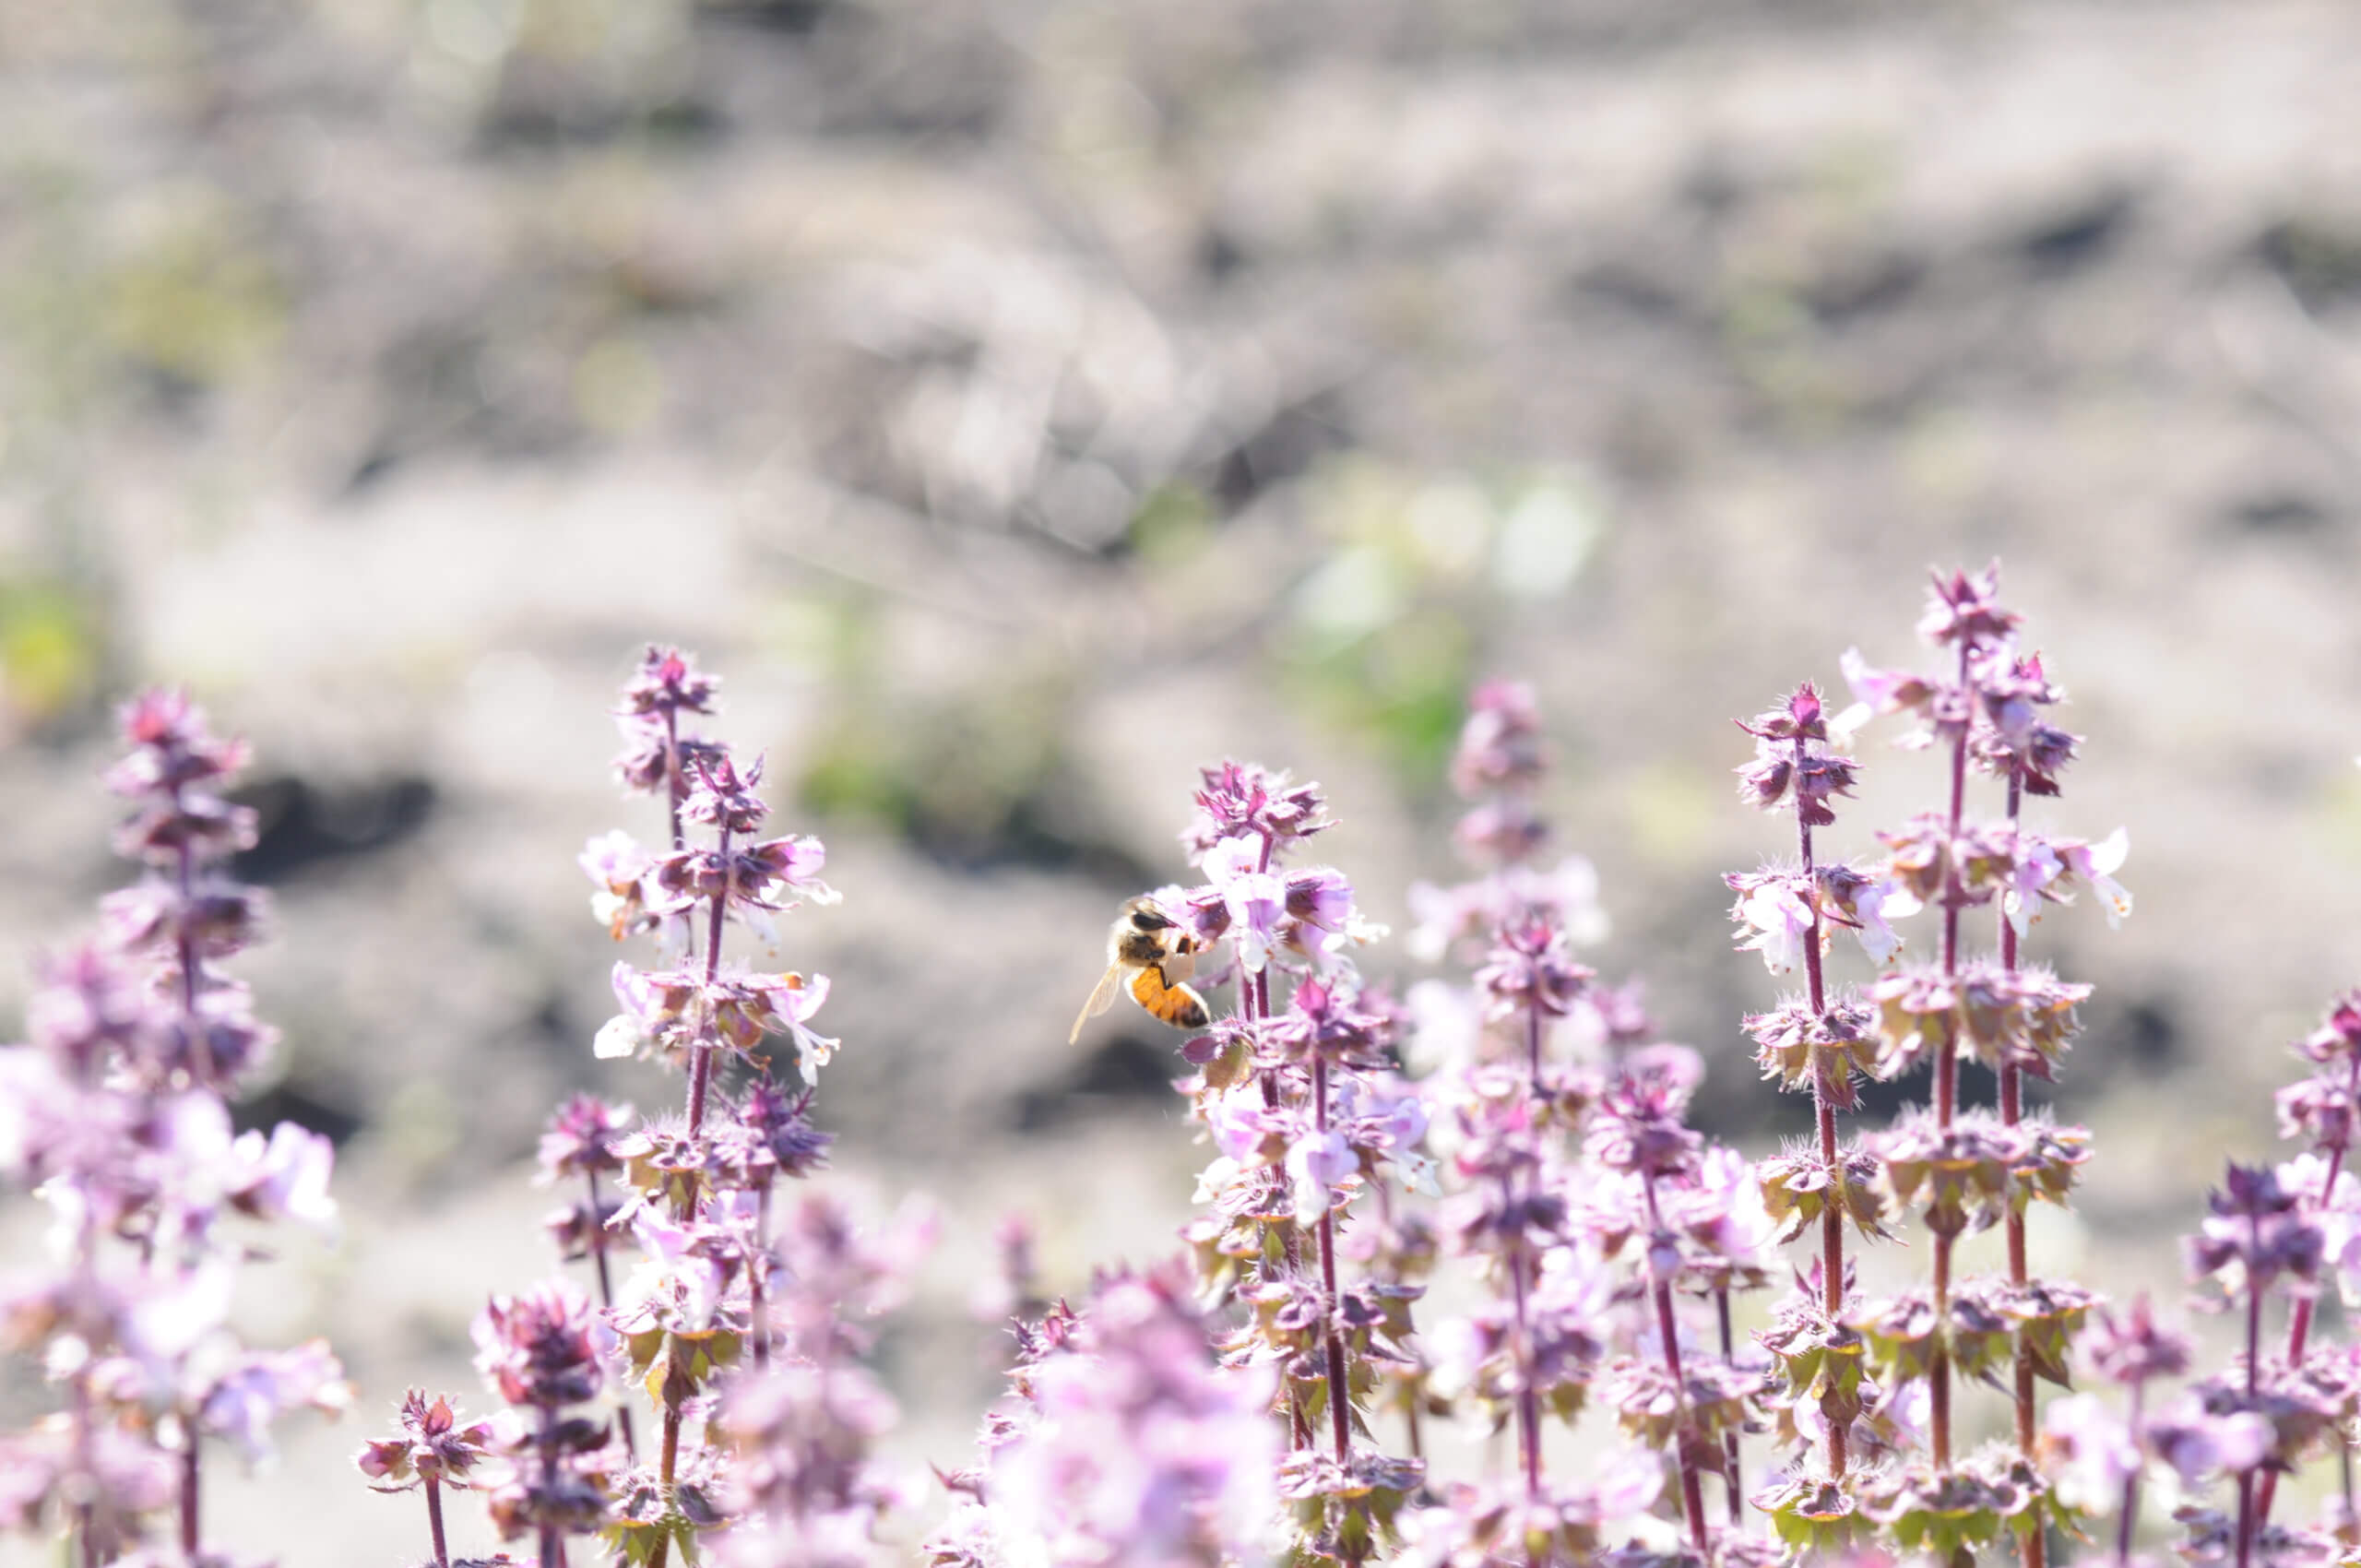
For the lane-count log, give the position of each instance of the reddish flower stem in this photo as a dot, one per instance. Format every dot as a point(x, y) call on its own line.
point(1533, 1047)
point(435, 1522)
point(192, 1536)
point(675, 783)
point(553, 1548)
point(1831, 1216)
point(701, 1048)
point(2128, 1515)
point(606, 1299)
point(81, 1529)
point(1729, 1440)
point(1254, 1006)
point(2036, 1543)
point(2249, 1523)
point(1340, 1403)
point(2299, 1317)
point(668, 1465)
point(1692, 1497)
point(1528, 1401)
point(758, 1278)
point(700, 1082)
point(184, 941)
point(1939, 1374)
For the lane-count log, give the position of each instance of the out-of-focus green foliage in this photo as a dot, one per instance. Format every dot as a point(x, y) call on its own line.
point(192, 297)
point(961, 772)
point(1380, 636)
point(49, 651)
point(1172, 526)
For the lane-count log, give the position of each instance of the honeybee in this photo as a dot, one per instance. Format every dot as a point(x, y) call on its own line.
point(1159, 957)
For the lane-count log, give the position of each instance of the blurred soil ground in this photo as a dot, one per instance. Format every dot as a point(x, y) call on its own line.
point(1021, 403)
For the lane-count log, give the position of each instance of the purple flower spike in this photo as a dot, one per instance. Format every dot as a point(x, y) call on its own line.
point(1242, 800)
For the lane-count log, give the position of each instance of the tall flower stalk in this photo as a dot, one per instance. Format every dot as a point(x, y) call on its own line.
point(1517, 1104)
point(1822, 1042)
point(433, 1450)
point(1295, 1101)
point(1202, 1420)
point(700, 1184)
point(116, 1115)
point(1963, 1169)
point(2321, 1109)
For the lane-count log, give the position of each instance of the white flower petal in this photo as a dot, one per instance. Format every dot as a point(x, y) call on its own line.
point(619, 1036)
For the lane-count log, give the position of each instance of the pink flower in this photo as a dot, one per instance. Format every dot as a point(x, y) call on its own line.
point(1320, 900)
point(1446, 1025)
point(1241, 800)
point(617, 868)
point(2088, 1453)
point(1316, 1163)
point(1132, 1447)
point(260, 1388)
point(1565, 895)
point(1880, 691)
point(433, 1445)
point(544, 1345)
point(1500, 746)
point(667, 682)
point(1255, 899)
point(1242, 1127)
point(2046, 867)
point(1775, 919)
point(286, 1177)
point(2200, 1446)
point(579, 1135)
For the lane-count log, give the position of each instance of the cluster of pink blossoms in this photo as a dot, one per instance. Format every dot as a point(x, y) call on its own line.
point(116, 1116)
point(739, 1327)
point(1606, 1236)
point(1225, 1407)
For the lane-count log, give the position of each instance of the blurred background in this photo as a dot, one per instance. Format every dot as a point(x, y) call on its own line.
point(1022, 402)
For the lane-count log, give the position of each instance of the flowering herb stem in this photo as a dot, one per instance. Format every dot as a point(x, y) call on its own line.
point(1339, 1389)
point(606, 1302)
point(2249, 1525)
point(435, 1522)
point(2299, 1316)
point(1692, 1496)
point(1528, 1400)
point(2036, 1545)
point(1254, 1006)
point(1533, 1044)
point(553, 1550)
point(184, 943)
point(701, 1048)
point(700, 1081)
point(1831, 1216)
point(668, 1468)
point(675, 780)
point(2126, 1520)
point(1939, 1376)
point(758, 1270)
point(1729, 1440)
point(81, 1405)
point(191, 1490)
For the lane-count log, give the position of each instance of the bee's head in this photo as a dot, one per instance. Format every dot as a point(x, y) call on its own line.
point(1145, 915)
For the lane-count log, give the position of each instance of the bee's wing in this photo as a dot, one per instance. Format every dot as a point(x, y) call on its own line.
point(1100, 1000)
